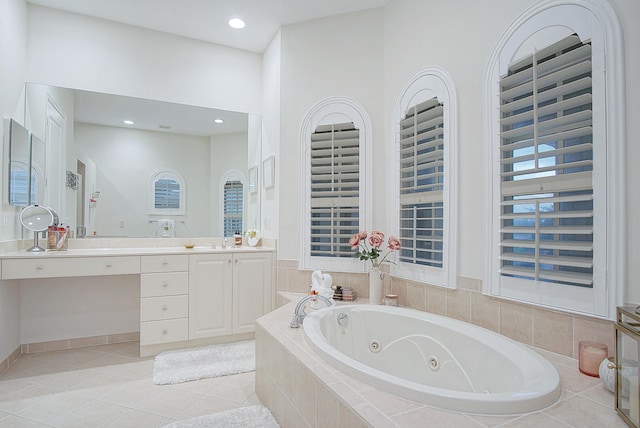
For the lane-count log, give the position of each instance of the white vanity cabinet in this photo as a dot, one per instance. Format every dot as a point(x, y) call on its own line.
point(228, 292)
point(210, 297)
point(164, 299)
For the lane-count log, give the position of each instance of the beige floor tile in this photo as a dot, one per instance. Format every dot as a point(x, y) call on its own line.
point(168, 402)
point(535, 420)
point(581, 412)
point(137, 419)
point(12, 421)
point(205, 406)
point(94, 413)
point(26, 397)
point(131, 393)
point(235, 388)
point(10, 386)
point(53, 407)
point(201, 386)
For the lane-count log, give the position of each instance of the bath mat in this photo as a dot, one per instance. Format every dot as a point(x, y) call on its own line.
point(241, 417)
point(208, 361)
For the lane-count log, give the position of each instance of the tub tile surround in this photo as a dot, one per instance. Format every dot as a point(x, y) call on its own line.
point(547, 329)
point(303, 391)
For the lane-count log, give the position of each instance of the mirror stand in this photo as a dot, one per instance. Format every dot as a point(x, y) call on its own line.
point(37, 219)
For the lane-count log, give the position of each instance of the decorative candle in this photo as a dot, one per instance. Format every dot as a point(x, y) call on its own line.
point(590, 355)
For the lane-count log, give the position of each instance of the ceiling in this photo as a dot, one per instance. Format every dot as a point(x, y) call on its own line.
point(207, 19)
point(111, 110)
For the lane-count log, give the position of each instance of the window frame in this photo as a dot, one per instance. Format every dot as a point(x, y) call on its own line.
point(428, 83)
point(167, 174)
point(595, 22)
point(332, 111)
point(233, 175)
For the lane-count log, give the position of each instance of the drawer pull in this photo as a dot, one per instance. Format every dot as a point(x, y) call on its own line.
point(39, 267)
point(164, 308)
point(164, 331)
point(165, 285)
point(164, 263)
point(108, 265)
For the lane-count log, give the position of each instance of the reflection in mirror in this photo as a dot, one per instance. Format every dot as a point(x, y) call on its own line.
point(38, 166)
point(115, 163)
point(19, 159)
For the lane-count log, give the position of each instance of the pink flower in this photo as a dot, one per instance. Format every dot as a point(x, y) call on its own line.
point(394, 243)
point(362, 234)
point(376, 239)
point(354, 241)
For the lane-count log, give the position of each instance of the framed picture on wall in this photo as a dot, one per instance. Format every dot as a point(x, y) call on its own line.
point(253, 179)
point(268, 171)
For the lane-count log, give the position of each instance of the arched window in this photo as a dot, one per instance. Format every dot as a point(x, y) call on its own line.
point(425, 163)
point(233, 203)
point(168, 193)
point(336, 135)
point(554, 141)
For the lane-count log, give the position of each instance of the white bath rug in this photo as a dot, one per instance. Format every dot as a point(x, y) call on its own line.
point(241, 417)
point(208, 361)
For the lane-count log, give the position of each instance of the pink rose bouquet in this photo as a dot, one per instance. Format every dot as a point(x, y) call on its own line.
point(371, 248)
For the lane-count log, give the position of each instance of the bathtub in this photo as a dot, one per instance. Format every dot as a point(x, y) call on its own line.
point(432, 359)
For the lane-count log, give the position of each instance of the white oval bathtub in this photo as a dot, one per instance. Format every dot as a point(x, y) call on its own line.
point(432, 359)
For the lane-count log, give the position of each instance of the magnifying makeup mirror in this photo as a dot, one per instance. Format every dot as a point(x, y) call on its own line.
point(37, 219)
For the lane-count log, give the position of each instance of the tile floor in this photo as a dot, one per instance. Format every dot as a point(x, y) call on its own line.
point(108, 386)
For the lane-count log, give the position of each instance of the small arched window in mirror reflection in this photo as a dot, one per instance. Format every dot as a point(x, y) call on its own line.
point(19, 176)
point(168, 192)
point(233, 204)
point(37, 185)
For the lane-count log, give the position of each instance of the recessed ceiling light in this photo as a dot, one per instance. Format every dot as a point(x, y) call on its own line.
point(218, 120)
point(236, 23)
point(128, 122)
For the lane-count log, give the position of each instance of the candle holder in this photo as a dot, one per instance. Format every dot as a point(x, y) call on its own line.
point(590, 355)
point(626, 365)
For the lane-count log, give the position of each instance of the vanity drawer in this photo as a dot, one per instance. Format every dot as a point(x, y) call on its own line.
point(153, 332)
point(164, 284)
point(164, 308)
point(69, 266)
point(170, 263)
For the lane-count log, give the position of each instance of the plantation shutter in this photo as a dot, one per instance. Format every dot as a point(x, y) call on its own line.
point(546, 166)
point(335, 188)
point(233, 207)
point(421, 184)
point(167, 194)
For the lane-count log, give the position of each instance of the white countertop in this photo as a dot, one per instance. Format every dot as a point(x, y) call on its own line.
point(132, 251)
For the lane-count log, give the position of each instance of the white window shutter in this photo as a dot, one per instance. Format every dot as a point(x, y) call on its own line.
point(546, 220)
point(335, 189)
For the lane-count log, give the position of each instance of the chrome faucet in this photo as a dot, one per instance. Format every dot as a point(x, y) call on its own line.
point(299, 313)
point(224, 242)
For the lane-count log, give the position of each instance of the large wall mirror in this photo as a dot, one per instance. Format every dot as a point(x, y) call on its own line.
point(100, 173)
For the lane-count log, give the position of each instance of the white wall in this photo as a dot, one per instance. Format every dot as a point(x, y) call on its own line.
point(80, 52)
point(126, 160)
point(13, 23)
point(339, 56)
point(270, 211)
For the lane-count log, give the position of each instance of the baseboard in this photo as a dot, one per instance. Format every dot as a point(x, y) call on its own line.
point(6, 363)
point(81, 342)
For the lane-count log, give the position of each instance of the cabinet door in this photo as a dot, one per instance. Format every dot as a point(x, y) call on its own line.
point(252, 289)
point(210, 301)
